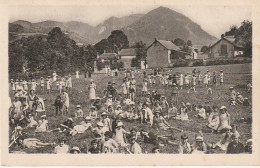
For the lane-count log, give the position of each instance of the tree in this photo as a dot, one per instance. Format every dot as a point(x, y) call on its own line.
point(189, 43)
point(141, 54)
point(243, 36)
point(179, 42)
point(118, 40)
point(204, 49)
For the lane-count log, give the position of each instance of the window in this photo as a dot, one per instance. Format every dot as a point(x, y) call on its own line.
point(223, 50)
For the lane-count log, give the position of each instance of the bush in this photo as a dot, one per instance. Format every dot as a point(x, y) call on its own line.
point(198, 63)
point(181, 63)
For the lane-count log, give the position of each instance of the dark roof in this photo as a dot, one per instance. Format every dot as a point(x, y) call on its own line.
point(169, 45)
point(230, 39)
point(128, 52)
point(108, 56)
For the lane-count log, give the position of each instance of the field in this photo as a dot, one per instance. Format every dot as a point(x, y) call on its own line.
point(234, 75)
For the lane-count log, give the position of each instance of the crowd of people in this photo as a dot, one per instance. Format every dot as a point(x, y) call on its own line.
point(107, 115)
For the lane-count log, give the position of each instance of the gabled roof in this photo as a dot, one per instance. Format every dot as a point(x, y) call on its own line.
point(169, 45)
point(128, 52)
point(108, 56)
point(230, 39)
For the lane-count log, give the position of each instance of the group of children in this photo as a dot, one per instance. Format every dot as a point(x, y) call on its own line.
point(106, 117)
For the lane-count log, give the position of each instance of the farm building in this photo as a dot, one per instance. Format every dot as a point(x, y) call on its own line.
point(126, 56)
point(225, 47)
point(107, 57)
point(162, 53)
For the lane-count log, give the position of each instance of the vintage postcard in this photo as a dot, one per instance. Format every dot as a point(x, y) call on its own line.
point(151, 82)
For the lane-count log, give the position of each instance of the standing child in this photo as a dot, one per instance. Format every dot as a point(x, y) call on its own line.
point(221, 77)
point(92, 91)
point(77, 74)
point(42, 84)
point(48, 85)
point(144, 89)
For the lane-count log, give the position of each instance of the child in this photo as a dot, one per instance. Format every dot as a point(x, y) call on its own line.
point(172, 111)
point(42, 124)
point(42, 84)
point(159, 122)
point(25, 85)
point(48, 85)
point(206, 80)
point(75, 150)
point(32, 122)
point(93, 113)
point(94, 147)
point(106, 122)
point(164, 104)
point(184, 146)
point(80, 129)
point(79, 112)
point(175, 93)
point(134, 147)
point(144, 89)
point(183, 113)
point(110, 145)
point(224, 119)
point(58, 105)
point(199, 146)
point(77, 74)
point(201, 112)
point(62, 148)
point(213, 119)
point(120, 134)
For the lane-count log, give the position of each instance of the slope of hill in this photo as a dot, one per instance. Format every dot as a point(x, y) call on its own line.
point(164, 23)
point(104, 29)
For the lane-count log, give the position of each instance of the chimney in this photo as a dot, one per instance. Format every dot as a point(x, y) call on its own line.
point(155, 39)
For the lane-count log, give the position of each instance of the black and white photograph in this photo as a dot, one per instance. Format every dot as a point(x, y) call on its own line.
point(130, 79)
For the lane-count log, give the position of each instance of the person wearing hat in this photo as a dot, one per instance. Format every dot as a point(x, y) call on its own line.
point(78, 112)
point(92, 90)
point(165, 105)
point(75, 150)
point(62, 148)
point(248, 147)
point(93, 114)
point(235, 147)
point(82, 127)
point(159, 122)
point(224, 141)
point(199, 147)
point(249, 86)
point(67, 125)
point(42, 124)
point(54, 75)
point(213, 120)
point(42, 84)
point(134, 148)
point(109, 145)
point(12, 83)
point(99, 131)
point(120, 133)
point(144, 87)
point(106, 121)
point(38, 105)
point(33, 85)
point(147, 114)
point(184, 146)
point(224, 119)
point(95, 147)
point(201, 113)
point(172, 111)
point(175, 93)
point(118, 110)
point(25, 85)
point(32, 142)
point(183, 113)
point(16, 109)
point(66, 101)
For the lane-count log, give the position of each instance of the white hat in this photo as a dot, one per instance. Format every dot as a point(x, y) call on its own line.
point(100, 124)
point(104, 114)
point(118, 106)
point(78, 106)
point(19, 128)
point(249, 140)
point(223, 107)
point(199, 138)
point(75, 148)
point(188, 104)
point(110, 96)
point(43, 116)
point(92, 107)
point(70, 119)
point(119, 124)
point(87, 118)
point(91, 80)
point(97, 97)
point(228, 127)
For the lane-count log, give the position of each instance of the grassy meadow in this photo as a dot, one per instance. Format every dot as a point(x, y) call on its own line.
point(234, 75)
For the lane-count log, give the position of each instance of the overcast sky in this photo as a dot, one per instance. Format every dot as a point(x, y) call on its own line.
point(214, 20)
